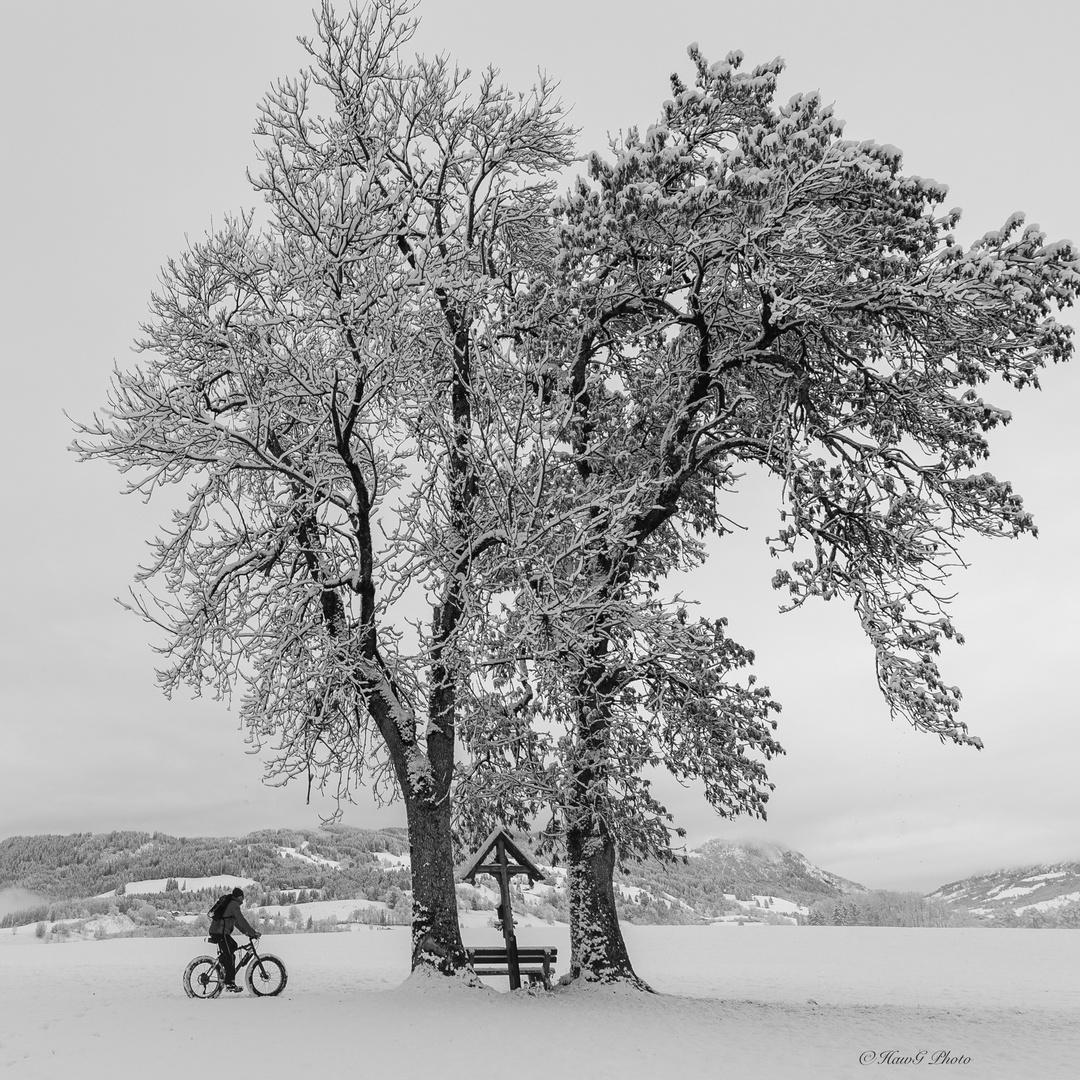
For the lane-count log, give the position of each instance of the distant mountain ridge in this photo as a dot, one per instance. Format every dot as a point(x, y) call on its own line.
point(1046, 891)
point(733, 882)
point(777, 867)
point(720, 881)
point(90, 864)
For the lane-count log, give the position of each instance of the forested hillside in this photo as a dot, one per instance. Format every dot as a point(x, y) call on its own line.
point(723, 879)
point(330, 863)
point(84, 876)
point(1042, 896)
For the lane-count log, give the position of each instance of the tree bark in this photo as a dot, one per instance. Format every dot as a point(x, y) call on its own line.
point(597, 949)
point(436, 935)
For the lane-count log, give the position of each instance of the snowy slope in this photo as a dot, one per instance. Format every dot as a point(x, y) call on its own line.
point(304, 855)
point(1015, 891)
point(788, 873)
point(150, 886)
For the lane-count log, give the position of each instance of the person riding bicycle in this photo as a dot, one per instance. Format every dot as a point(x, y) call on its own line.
point(226, 915)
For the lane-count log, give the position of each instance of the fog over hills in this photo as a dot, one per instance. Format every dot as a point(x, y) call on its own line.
point(15, 899)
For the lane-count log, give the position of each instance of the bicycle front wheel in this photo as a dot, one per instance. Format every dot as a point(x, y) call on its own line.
point(203, 978)
point(266, 976)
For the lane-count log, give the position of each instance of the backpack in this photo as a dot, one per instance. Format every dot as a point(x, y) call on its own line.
point(218, 910)
point(217, 914)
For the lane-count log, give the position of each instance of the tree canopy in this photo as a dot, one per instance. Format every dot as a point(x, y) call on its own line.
point(316, 382)
point(444, 433)
point(741, 286)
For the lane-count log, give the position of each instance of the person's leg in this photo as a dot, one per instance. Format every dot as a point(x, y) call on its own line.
point(225, 951)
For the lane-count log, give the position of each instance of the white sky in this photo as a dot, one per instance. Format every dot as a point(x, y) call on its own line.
point(127, 127)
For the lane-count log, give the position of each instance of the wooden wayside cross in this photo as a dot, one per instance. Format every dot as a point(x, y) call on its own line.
point(500, 857)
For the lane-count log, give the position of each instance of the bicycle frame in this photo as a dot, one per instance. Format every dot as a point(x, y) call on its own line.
point(248, 949)
point(266, 974)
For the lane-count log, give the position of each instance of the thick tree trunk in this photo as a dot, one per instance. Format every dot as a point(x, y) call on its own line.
point(436, 935)
point(597, 949)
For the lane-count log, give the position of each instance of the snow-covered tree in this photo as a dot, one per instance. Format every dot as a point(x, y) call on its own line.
point(317, 382)
point(412, 382)
point(741, 286)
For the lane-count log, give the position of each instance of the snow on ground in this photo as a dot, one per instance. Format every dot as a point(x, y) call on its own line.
point(756, 905)
point(481, 920)
point(301, 854)
point(398, 861)
point(780, 906)
point(79, 929)
point(1047, 876)
point(1001, 893)
point(225, 882)
point(1053, 902)
point(773, 1003)
point(674, 901)
point(320, 909)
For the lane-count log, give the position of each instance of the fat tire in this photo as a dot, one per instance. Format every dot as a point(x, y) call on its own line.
point(269, 986)
point(193, 988)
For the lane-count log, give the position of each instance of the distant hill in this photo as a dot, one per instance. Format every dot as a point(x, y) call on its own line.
point(83, 872)
point(732, 882)
point(334, 862)
point(1043, 895)
point(785, 873)
point(162, 883)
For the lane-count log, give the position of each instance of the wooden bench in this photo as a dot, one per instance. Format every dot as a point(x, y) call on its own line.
point(536, 961)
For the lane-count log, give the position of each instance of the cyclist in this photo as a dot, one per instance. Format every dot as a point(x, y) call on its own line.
point(226, 915)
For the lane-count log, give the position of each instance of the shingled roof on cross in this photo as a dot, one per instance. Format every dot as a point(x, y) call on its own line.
point(479, 863)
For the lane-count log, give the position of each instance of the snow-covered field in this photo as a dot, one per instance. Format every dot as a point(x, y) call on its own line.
point(157, 885)
point(755, 1001)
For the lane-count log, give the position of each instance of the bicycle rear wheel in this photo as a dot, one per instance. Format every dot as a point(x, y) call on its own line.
point(203, 978)
point(266, 976)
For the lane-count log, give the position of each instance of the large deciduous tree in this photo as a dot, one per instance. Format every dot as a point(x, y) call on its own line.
point(319, 384)
point(741, 286)
point(415, 381)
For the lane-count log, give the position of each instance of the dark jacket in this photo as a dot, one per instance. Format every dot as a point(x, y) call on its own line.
point(233, 917)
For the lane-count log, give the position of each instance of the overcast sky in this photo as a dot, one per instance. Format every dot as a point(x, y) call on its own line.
point(127, 128)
